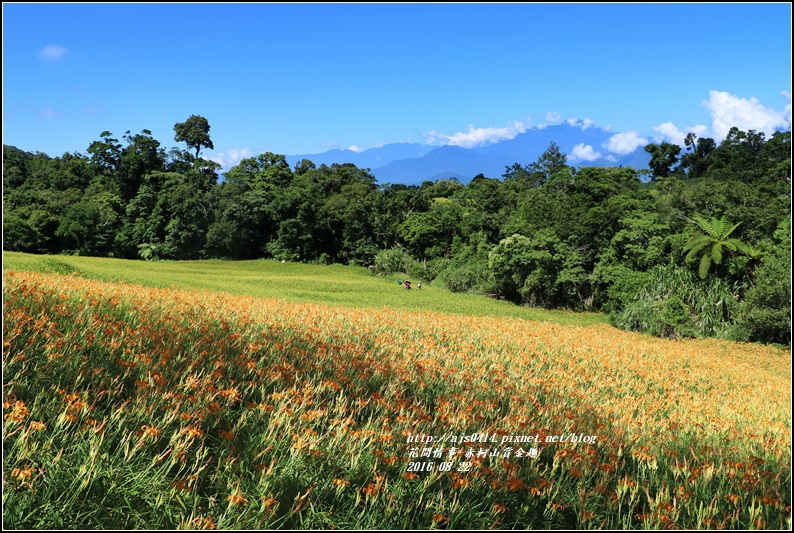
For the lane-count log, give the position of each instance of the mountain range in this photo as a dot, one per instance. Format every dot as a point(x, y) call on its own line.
point(413, 163)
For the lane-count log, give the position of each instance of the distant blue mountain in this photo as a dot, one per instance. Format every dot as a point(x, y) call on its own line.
point(411, 164)
point(532, 143)
point(442, 162)
point(372, 158)
point(638, 159)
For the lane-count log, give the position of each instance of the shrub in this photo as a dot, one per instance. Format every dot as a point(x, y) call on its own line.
point(393, 261)
point(621, 285)
point(765, 313)
point(673, 304)
point(474, 276)
point(427, 270)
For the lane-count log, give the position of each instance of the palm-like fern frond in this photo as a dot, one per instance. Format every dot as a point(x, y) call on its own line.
point(715, 237)
point(695, 245)
point(716, 253)
point(705, 264)
point(740, 246)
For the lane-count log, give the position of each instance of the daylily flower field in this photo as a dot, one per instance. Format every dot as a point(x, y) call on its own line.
point(133, 407)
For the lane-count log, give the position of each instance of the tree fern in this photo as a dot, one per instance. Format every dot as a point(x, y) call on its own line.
point(715, 238)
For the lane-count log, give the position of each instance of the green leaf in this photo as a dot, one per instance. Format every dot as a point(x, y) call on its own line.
point(705, 263)
point(716, 253)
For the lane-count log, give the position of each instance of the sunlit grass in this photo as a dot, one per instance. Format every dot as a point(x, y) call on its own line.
point(297, 282)
point(135, 407)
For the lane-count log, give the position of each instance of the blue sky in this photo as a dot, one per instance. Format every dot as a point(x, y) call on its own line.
point(305, 78)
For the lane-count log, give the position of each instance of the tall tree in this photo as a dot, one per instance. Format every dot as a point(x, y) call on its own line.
point(141, 156)
point(536, 174)
point(776, 156)
point(696, 161)
point(106, 153)
point(549, 163)
point(664, 157)
point(195, 132)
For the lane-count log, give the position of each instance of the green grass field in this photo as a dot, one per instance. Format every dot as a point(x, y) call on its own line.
point(295, 282)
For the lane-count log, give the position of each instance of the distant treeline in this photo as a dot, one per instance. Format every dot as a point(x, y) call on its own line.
point(702, 248)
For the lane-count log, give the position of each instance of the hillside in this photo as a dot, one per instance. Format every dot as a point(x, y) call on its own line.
point(295, 282)
point(196, 409)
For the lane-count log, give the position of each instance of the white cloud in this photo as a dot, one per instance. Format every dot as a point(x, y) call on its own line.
point(582, 152)
point(584, 124)
point(354, 148)
point(477, 136)
point(670, 133)
point(625, 143)
point(728, 110)
point(231, 157)
point(434, 137)
point(553, 117)
point(787, 109)
point(53, 52)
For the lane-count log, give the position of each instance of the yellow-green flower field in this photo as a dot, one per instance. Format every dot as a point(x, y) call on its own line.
point(126, 407)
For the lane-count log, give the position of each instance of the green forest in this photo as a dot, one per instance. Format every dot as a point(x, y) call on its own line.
point(699, 245)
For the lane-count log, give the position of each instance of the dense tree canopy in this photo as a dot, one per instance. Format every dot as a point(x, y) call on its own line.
point(713, 224)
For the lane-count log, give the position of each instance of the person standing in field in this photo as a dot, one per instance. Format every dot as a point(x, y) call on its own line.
point(419, 285)
point(407, 285)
